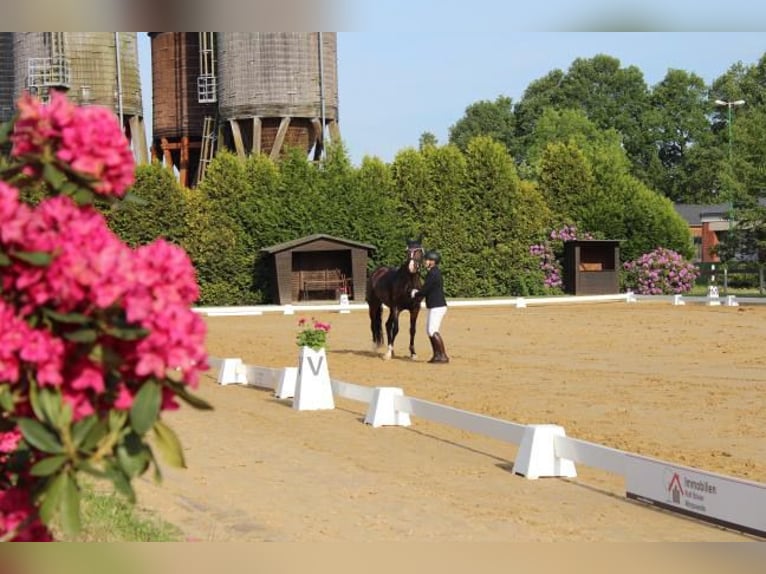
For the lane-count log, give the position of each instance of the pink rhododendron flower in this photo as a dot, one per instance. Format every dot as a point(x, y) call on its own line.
point(18, 514)
point(89, 139)
point(80, 310)
point(9, 441)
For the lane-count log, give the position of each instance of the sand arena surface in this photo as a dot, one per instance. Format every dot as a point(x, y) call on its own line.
point(684, 384)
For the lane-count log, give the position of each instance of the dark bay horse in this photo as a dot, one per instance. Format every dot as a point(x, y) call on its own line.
point(392, 287)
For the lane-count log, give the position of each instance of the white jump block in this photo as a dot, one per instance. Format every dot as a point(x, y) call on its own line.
point(344, 304)
point(678, 300)
point(232, 372)
point(731, 301)
point(313, 389)
point(521, 303)
point(631, 297)
point(382, 412)
point(287, 382)
point(713, 300)
point(537, 454)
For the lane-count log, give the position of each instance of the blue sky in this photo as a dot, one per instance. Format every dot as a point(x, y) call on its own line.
point(395, 85)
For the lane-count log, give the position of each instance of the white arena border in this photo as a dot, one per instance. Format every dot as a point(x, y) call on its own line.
point(546, 451)
point(518, 302)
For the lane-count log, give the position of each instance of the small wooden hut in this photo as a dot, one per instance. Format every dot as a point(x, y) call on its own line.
point(592, 267)
point(318, 267)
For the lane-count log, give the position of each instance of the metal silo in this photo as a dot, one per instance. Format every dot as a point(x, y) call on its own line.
point(277, 90)
point(6, 76)
point(184, 94)
point(96, 68)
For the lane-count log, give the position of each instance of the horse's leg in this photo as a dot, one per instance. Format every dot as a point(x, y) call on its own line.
point(376, 321)
point(392, 328)
point(413, 324)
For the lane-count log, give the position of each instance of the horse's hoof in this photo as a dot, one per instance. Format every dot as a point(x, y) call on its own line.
point(387, 357)
point(414, 357)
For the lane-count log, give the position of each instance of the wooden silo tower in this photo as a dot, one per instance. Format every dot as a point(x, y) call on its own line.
point(6, 76)
point(277, 90)
point(184, 93)
point(94, 68)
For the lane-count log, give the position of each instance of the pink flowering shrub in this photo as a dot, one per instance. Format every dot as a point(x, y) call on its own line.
point(83, 141)
point(313, 334)
point(660, 272)
point(96, 338)
point(551, 253)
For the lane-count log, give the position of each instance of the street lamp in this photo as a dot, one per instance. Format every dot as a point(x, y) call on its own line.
point(729, 105)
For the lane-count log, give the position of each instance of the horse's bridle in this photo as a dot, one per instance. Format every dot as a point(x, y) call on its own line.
point(415, 254)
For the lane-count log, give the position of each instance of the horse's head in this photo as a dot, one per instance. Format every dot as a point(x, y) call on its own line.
point(414, 255)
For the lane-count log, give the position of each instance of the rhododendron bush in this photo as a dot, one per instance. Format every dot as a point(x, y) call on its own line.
point(551, 254)
point(96, 338)
point(660, 272)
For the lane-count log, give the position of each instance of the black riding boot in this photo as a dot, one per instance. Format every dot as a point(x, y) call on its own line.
point(434, 350)
point(440, 355)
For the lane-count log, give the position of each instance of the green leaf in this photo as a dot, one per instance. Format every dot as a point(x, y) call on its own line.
point(117, 420)
point(70, 506)
point(169, 445)
point(83, 196)
point(48, 466)
point(81, 429)
point(82, 336)
point(50, 405)
point(69, 318)
point(121, 483)
point(183, 393)
point(6, 398)
point(127, 333)
point(51, 494)
point(94, 435)
point(34, 400)
point(132, 456)
point(146, 407)
point(157, 475)
point(35, 258)
point(5, 261)
point(88, 468)
point(53, 176)
point(39, 436)
point(5, 130)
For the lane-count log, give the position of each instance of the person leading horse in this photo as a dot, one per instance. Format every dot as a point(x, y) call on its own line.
point(392, 287)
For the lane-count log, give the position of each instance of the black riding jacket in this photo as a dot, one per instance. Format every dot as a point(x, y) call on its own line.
point(433, 288)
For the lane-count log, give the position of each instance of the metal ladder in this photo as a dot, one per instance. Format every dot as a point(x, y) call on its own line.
point(207, 81)
point(207, 151)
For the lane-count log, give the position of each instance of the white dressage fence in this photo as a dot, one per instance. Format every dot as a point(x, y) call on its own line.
point(344, 306)
point(544, 450)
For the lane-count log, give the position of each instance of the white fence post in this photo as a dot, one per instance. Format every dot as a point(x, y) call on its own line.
point(286, 386)
point(382, 410)
point(232, 372)
point(537, 454)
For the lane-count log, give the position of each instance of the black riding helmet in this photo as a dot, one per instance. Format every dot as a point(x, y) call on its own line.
point(433, 256)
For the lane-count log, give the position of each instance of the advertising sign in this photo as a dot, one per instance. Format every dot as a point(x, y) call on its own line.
point(723, 500)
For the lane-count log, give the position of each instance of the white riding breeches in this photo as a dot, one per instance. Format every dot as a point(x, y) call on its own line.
point(434, 320)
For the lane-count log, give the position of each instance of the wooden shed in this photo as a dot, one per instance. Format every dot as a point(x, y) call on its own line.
point(318, 267)
point(592, 267)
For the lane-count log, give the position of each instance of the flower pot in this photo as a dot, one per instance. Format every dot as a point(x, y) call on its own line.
point(313, 389)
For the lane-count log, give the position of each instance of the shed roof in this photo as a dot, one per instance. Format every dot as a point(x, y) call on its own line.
point(316, 237)
point(694, 213)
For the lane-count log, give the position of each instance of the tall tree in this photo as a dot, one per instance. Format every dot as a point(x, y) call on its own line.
point(566, 180)
point(485, 118)
point(678, 122)
point(427, 139)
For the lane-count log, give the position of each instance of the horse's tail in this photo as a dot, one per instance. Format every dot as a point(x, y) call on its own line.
point(376, 310)
point(376, 323)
